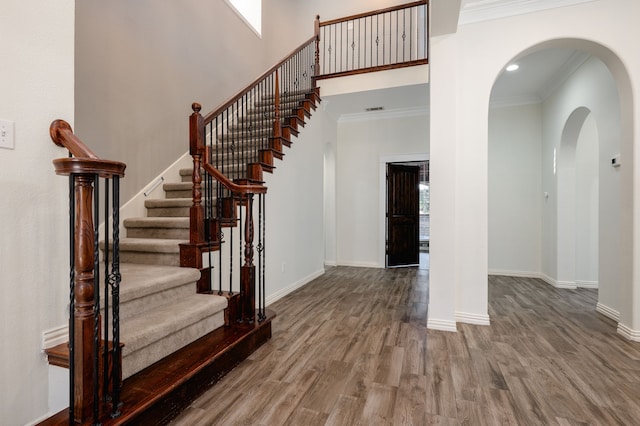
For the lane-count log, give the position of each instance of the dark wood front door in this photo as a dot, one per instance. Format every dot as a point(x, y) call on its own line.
point(403, 242)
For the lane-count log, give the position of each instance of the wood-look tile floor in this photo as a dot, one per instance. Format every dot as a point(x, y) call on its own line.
point(352, 348)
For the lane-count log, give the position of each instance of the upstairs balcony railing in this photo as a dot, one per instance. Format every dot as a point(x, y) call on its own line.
point(373, 41)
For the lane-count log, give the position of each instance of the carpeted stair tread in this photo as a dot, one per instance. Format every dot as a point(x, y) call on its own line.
point(151, 245)
point(167, 319)
point(139, 281)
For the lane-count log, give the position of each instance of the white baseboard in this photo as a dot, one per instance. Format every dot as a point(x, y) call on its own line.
point(509, 273)
point(629, 333)
point(285, 291)
point(547, 279)
point(330, 263)
point(360, 264)
point(476, 319)
point(55, 336)
point(569, 285)
point(608, 312)
point(442, 325)
point(587, 284)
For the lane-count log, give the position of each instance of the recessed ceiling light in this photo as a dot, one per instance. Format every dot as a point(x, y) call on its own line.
point(512, 67)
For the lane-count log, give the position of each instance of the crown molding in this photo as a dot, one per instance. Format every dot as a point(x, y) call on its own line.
point(511, 101)
point(484, 10)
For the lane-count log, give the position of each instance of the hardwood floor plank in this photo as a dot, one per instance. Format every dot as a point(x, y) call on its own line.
point(346, 412)
point(410, 405)
point(378, 407)
point(352, 348)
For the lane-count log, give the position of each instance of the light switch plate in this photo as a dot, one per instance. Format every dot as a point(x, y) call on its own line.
point(6, 134)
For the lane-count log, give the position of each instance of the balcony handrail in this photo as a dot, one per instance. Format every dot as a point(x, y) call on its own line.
point(374, 12)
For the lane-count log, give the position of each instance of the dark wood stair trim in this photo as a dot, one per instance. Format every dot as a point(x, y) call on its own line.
point(157, 394)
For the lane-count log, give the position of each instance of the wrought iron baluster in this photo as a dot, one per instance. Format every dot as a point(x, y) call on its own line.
point(241, 201)
point(72, 301)
point(115, 295)
point(404, 33)
point(96, 298)
point(259, 250)
point(264, 253)
point(397, 29)
point(107, 274)
point(384, 37)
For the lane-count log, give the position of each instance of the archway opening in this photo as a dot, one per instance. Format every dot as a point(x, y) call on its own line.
point(554, 151)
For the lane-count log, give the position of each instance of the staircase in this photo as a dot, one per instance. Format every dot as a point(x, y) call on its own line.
point(164, 320)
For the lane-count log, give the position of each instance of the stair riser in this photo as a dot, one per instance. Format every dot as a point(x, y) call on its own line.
point(168, 233)
point(136, 361)
point(147, 258)
point(168, 211)
point(178, 194)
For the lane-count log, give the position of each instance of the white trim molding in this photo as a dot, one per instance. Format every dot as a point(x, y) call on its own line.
point(485, 10)
point(608, 312)
point(293, 287)
point(519, 274)
point(55, 337)
point(361, 264)
point(628, 333)
point(567, 285)
point(586, 284)
point(475, 319)
point(441, 325)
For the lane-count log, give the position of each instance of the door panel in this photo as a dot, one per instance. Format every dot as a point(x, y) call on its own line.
point(403, 242)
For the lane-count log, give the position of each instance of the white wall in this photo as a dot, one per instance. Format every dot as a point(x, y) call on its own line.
point(140, 65)
point(590, 90)
point(295, 215)
point(586, 211)
point(461, 136)
point(361, 145)
point(515, 190)
point(36, 38)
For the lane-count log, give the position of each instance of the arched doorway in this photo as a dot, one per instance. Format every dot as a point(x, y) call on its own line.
point(584, 220)
point(577, 172)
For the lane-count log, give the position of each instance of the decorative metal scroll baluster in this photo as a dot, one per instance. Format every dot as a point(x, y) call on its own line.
point(261, 258)
point(114, 283)
point(96, 300)
point(72, 298)
point(105, 349)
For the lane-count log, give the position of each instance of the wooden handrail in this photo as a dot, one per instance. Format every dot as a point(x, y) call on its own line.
point(83, 160)
point(209, 117)
point(375, 12)
point(62, 135)
point(234, 187)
